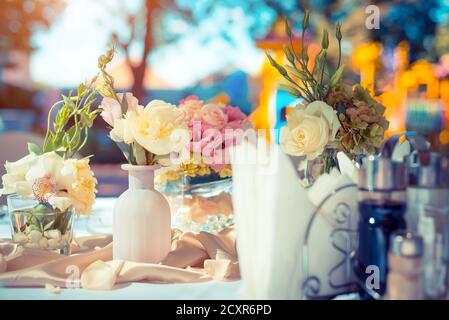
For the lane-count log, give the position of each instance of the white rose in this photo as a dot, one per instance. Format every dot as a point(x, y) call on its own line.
point(309, 130)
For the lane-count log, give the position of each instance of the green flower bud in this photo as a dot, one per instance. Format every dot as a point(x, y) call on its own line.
point(325, 40)
point(305, 21)
point(338, 34)
point(289, 54)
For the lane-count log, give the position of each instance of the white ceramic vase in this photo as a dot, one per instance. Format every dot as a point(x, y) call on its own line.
point(141, 226)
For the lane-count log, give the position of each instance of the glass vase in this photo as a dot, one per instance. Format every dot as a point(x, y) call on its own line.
point(39, 225)
point(310, 170)
point(200, 203)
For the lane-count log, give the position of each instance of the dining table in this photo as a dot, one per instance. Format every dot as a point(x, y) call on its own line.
point(100, 223)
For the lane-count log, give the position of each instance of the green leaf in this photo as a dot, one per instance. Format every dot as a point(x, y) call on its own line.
point(139, 154)
point(34, 148)
point(124, 148)
point(336, 77)
point(48, 225)
point(81, 89)
point(85, 120)
point(66, 141)
point(297, 73)
point(75, 136)
point(131, 157)
point(124, 104)
point(293, 91)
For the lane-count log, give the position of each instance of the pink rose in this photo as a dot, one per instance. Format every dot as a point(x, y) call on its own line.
point(213, 115)
point(233, 125)
point(190, 106)
point(234, 113)
point(112, 109)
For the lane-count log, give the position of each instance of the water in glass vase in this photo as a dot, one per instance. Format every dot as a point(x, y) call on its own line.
point(200, 203)
point(38, 225)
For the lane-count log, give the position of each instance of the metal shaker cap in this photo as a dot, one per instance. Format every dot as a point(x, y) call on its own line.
point(381, 173)
point(406, 244)
point(427, 169)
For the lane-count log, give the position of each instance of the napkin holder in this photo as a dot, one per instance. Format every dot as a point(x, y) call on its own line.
point(337, 278)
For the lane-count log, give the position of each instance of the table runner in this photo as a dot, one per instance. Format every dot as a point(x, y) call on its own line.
point(194, 257)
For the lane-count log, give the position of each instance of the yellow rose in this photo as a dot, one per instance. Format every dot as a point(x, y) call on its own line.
point(309, 130)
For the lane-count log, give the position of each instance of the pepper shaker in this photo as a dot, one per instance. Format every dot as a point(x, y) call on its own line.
point(405, 264)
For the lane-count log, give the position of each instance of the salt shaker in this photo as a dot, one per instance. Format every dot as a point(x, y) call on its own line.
point(427, 213)
point(405, 265)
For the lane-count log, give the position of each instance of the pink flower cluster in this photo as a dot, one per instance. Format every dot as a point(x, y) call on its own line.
point(212, 127)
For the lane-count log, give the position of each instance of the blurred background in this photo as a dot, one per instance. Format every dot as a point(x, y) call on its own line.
point(215, 49)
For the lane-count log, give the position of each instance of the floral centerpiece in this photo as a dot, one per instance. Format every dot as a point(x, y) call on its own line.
point(143, 134)
point(50, 185)
point(201, 180)
point(333, 116)
point(147, 136)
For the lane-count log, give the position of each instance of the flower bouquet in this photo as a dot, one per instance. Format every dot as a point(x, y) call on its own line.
point(333, 116)
point(50, 185)
point(199, 185)
point(147, 136)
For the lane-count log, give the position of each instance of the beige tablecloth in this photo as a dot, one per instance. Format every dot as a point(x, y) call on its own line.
point(194, 257)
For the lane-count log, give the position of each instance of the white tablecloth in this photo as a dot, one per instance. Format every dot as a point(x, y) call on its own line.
point(101, 223)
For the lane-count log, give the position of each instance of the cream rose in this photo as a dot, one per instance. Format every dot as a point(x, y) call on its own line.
point(151, 127)
point(213, 115)
point(309, 130)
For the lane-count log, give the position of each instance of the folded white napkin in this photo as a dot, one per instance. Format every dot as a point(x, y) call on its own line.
point(272, 210)
point(270, 213)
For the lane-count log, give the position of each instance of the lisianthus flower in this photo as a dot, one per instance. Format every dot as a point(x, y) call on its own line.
point(112, 109)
